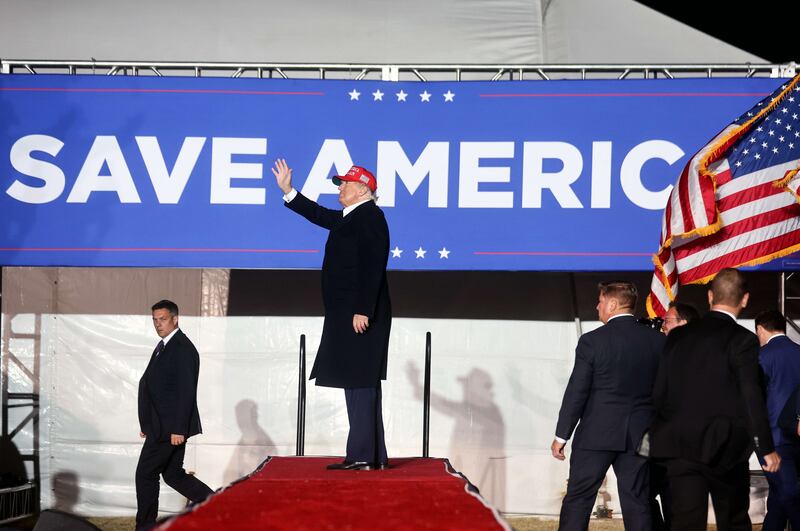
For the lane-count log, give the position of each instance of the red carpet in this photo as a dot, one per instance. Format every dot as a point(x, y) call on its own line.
point(299, 493)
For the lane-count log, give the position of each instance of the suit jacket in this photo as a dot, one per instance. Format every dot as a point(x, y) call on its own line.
point(168, 391)
point(610, 389)
point(789, 417)
point(709, 407)
point(780, 361)
point(353, 282)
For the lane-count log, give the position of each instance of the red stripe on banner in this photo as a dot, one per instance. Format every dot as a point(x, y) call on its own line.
point(554, 253)
point(741, 256)
point(152, 250)
point(629, 95)
point(756, 221)
point(684, 199)
point(161, 91)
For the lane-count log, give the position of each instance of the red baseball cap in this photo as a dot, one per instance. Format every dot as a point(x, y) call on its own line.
point(357, 174)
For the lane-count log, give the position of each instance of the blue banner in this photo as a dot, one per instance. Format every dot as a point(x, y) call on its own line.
point(175, 172)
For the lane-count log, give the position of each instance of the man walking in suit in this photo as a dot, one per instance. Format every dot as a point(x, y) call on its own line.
point(709, 412)
point(678, 314)
point(609, 392)
point(353, 350)
point(168, 416)
point(780, 360)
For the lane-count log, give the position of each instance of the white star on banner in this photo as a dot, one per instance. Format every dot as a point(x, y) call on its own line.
point(401, 96)
point(420, 252)
point(448, 96)
point(354, 94)
point(396, 252)
point(377, 95)
point(425, 97)
point(444, 253)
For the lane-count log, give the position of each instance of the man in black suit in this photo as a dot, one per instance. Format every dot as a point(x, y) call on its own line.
point(780, 361)
point(168, 416)
point(710, 415)
point(678, 314)
point(353, 350)
point(609, 392)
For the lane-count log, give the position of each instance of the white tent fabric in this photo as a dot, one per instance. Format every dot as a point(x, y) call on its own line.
point(355, 31)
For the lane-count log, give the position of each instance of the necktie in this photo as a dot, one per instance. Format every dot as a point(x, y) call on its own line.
point(159, 349)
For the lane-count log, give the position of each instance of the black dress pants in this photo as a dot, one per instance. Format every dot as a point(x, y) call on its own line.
point(690, 484)
point(587, 469)
point(783, 503)
point(660, 514)
point(365, 441)
point(162, 458)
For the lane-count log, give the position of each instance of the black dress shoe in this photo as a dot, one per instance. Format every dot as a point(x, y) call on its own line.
point(350, 465)
point(381, 466)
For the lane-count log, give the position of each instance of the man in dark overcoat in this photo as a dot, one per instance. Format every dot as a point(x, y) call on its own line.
point(168, 416)
point(710, 414)
point(353, 350)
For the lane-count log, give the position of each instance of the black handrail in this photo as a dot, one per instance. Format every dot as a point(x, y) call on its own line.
point(301, 399)
point(426, 399)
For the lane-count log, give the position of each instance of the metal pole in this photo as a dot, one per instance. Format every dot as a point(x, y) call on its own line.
point(574, 292)
point(426, 399)
point(301, 399)
point(782, 293)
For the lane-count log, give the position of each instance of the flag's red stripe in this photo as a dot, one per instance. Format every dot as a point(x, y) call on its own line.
point(709, 198)
point(666, 232)
point(684, 200)
point(673, 277)
point(756, 221)
point(741, 256)
point(723, 177)
point(656, 304)
point(754, 193)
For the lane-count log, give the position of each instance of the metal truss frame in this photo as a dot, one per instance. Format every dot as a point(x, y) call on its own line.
point(402, 72)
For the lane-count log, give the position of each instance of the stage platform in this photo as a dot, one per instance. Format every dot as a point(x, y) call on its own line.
point(298, 493)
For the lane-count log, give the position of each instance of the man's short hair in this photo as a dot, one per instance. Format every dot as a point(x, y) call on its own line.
point(729, 287)
point(170, 306)
point(623, 291)
point(686, 312)
point(771, 321)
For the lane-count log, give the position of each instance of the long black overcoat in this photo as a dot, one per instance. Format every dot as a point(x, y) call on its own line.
point(353, 282)
point(709, 406)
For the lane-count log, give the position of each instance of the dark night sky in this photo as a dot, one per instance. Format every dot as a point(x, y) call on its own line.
point(767, 29)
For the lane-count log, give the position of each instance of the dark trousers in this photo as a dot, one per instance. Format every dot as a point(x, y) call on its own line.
point(691, 482)
point(660, 514)
point(783, 503)
point(162, 458)
point(365, 442)
point(587, 469)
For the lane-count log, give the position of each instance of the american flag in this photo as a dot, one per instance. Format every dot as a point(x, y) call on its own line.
point(736, 202)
